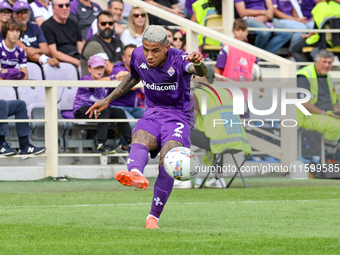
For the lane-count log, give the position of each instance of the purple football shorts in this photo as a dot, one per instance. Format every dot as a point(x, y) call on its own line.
point(165, 126)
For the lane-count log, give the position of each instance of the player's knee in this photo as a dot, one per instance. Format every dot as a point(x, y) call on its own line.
point(145, 138)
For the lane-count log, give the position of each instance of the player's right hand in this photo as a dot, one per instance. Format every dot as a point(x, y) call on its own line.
point(97, 107)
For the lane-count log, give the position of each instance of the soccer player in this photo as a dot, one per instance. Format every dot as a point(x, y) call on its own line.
point(165, 73)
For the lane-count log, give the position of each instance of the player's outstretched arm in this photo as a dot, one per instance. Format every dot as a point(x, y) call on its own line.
point(198, 67)
point(121, 89)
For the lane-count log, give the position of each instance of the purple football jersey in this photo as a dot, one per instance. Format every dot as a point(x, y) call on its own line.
point(166, 87)
point(253, 4)
point(130, 98)
point(307, 7)
point(285, 6)
point(15, 58)
point(88, 96)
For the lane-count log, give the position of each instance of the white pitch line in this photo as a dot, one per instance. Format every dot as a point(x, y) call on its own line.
point(175, 203)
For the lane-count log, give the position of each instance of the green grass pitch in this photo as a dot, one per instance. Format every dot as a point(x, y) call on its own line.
point(273, 216)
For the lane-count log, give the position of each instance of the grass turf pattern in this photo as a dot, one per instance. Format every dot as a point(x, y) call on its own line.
point(274, 216)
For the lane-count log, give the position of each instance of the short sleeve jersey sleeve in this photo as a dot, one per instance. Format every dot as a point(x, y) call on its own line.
point(22, 58)
point(133, 68)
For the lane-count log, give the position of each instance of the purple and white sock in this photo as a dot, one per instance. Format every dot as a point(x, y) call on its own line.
point(138, 158)
point(161, 192)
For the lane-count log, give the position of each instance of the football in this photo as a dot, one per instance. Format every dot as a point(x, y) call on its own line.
point(181, 163)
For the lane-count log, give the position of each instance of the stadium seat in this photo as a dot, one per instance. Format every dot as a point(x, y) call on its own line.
point(35, 103)
point(67, 96)
point(316, 135)
point(214, 22)
point(8, 93)
point(65, 72)
point(34, 71)
point(199, 139)
point(309, 49)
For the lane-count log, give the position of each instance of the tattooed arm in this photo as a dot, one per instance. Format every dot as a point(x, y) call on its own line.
point(127, 84)
point(198, 67)
point(122, 88)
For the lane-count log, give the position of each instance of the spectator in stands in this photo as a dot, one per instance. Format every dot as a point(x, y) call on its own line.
point(12, 2)
point(236, 64)
point(13, 66)
point(32, 41)
point(84, 12)
point(323, 105)
point(260, 14)
point(116, 8)
point(5, 14)
point(283, 10)
point(62, 34)
point(168, 5)
point(232, 67)
point(201, 9)
point(103, 44)
point(179, 41)
point(169, 35)
point(42, 10)
point(138, 21)
point(128, 102)
point(13, 59)
point(322, 11)
point(87, 96)
point(18, 109)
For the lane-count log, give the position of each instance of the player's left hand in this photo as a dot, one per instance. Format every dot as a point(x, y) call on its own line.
point(195, 57)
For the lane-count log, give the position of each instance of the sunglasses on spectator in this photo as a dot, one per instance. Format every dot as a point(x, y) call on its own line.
point(141, 14)
point(105, 22)
point(62, 5)
point(23, 12)
point(6, 12)
point(178, 38)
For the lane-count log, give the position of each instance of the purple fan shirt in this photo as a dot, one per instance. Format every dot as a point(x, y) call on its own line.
point(129, 99)
point(166, 87)
point(87, 96)
point(253, 4)
point(15, 58)
point(307, 7)
point(284, 6)
point(188, 6)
